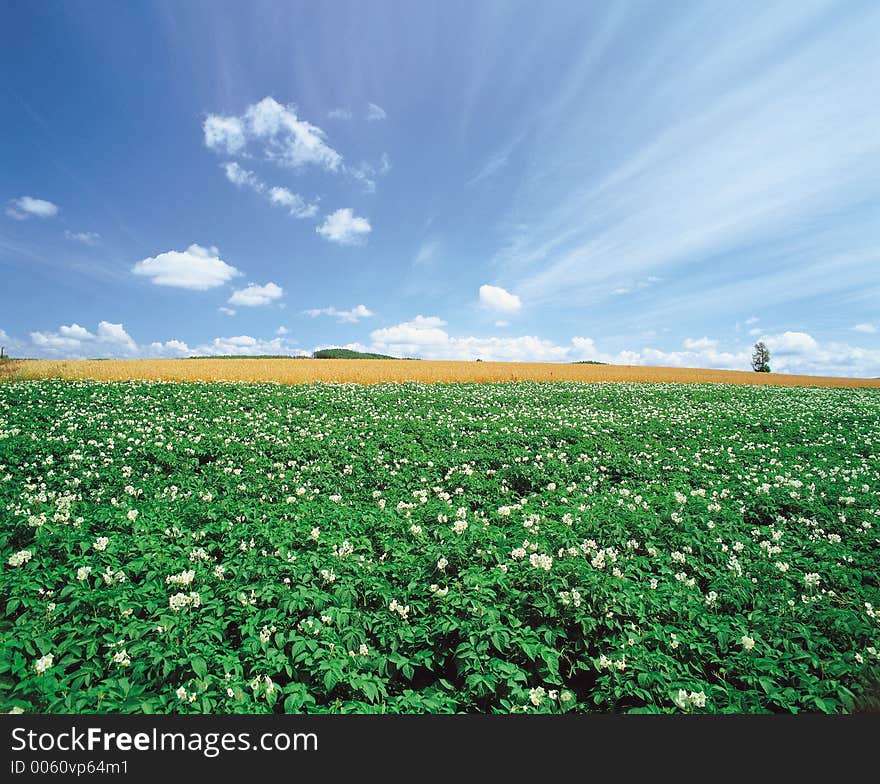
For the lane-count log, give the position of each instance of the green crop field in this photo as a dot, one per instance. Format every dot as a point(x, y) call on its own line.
point(503, 548)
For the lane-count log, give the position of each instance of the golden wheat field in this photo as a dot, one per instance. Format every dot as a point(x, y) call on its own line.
point(373, 371)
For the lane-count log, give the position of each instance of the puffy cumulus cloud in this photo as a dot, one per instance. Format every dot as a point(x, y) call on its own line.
point(800, 352)
point(89, 238)
point(254, 295)
point(866, 328)
point(425, 337)
point(282, 136)
point(115, 335)
point(109, 340)
point(281, 331)
point(195, 268)
point(352, 316)
point(499, 299)
point(375, 112)
point(791, 343)
point(245, 344)
point(344, 227)
point(26, 207)
point(224, 134)
point(170, 349)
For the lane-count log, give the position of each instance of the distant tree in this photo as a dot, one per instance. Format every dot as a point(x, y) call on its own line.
point(761, 358)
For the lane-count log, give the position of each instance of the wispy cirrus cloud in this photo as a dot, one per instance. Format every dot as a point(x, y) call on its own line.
point(89, 238)
point(375, 112)
point(752, 161)
point(276, 195)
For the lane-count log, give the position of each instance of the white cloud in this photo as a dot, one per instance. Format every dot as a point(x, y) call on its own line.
point(224, 134)
point(427, 251)
point(502, 324)
point(195, 268)
point(791, 343)
point(748, 166)
point(339, 114)
point(282, 136)
point(239, 176)
point(424, 337)
point(281, 331)
point(352, 316)
point(366, 173)
point(752, 320)
point(756, 331)
point(699, 344)
point(227, 311)
point(867, 328)
point(26, 207)
point(253, 295)
point(294, 203)
point(85, 237)
point(245, 344)
point(115, 335)
point(496, 162)
point(375, 112)
point(75, 341)
point(344, 227)
point(499, 299)
point(278, 196)
point(75, 331)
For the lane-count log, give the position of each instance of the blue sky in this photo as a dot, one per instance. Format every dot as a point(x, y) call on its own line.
point(646, 183)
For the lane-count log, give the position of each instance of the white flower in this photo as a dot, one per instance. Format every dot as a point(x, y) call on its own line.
point(811, 579)
point(363, 650)
point(20, 558)
point(542, 561)
point(83, 573)
point(397, 607)
point(101, 543)
point(316, 533)
point(748, 642)
point(266, 633)
point(132, 514)
point(416, 529)
point(442, 564)
point(44, 663)
point(184, 578)
point(536, 696)
point(459, 526)
point(517, 553)
point(218, 572)
point(122, 658)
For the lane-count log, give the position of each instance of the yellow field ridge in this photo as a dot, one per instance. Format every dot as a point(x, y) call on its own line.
point(373, 371)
